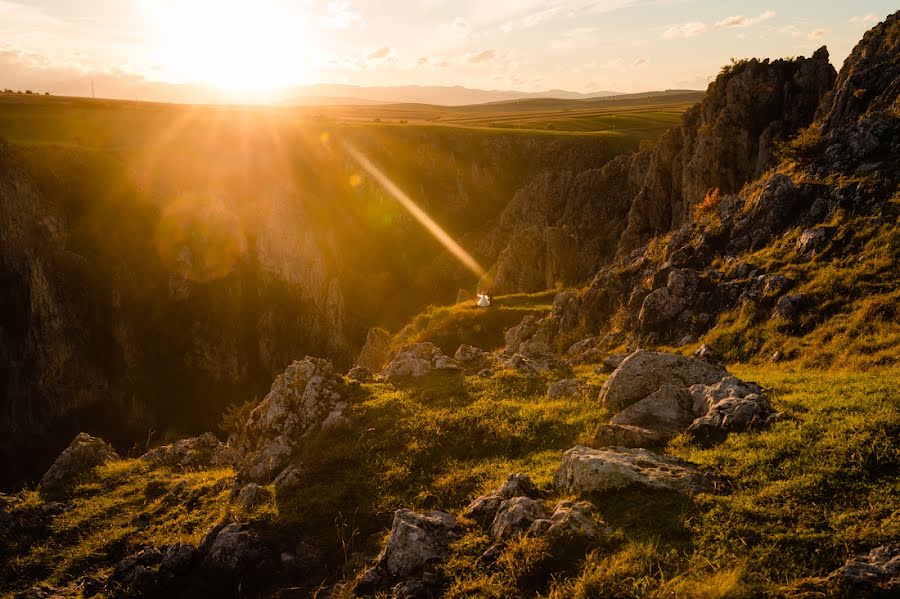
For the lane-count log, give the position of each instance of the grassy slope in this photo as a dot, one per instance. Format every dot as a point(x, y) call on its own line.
point(800, 497)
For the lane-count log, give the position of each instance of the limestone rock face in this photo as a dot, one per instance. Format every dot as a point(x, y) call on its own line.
point(374, 354)
point(205, 451)
point(644, 372)
point(82, 455)
point(306, 395)
point(416, 542)
point(420, 360)
point(585, 471)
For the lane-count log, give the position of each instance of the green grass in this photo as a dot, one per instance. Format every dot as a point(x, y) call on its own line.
point(796, 499)
point(448, 327)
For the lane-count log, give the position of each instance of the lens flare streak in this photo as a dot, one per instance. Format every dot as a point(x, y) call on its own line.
point(420, 215)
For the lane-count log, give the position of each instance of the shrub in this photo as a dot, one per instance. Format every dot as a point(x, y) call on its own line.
point(709, 204)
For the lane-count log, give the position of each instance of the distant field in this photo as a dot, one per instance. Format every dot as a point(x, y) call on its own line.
point(38, 120)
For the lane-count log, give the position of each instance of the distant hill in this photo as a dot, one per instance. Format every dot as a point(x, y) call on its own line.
point(439, 95)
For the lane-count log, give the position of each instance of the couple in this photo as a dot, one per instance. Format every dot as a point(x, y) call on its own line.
point(485, 299)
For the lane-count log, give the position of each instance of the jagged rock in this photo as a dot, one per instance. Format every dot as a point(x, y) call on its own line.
point(82, 455)
point(788, 307)
point(205, 451)
point(360, 374)
point(235, 550)
point(532, 364)
point(484, 508)
point(812, 241)
point(771, 210)
point(376, 351)
point(876, 574)
point(150, 571)
point(536, 258)
point(777, 357)
point(729, 405)
point(515, 516)
point(305, 396)
point(570, 519)
point(623, 435)
point(584, 470)
point(659, 306)
point(420, 360)
point(643, 372)
point(528, 338)
point(585, 351)
point(471, 358)
point(708, 354)
point(137, 570)
point(610, 363)
point(776, 284)
point(667, 411)
point(567, 388)
point(252, 495)
point(416, 542)
point(290, 480)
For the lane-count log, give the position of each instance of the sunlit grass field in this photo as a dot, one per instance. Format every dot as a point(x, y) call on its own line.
point(798, 498)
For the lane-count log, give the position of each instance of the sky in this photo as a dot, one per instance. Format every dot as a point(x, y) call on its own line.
point(259, 49)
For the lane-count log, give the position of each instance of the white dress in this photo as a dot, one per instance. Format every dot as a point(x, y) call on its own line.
point(483, 301)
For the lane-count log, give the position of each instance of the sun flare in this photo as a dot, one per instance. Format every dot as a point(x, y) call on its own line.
point(251, 48)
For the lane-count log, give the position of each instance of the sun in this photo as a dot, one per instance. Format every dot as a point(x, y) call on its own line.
point(249, 47)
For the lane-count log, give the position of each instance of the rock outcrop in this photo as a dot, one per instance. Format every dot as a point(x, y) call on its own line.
point(587, 471)
point(205, 451)
point(82, 455)
point(420, 360)
point(375, 353)
point(305, 396)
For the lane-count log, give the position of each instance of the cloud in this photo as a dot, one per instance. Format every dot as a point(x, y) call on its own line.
point(864, 21)
point(380, 53)
point(341, 15)
point(740, 21)
point(684, 30)
point(482, 56)
point(794, 31)
point(640, 62)
point(816, 34)
point(461, 27)
point(536, 18)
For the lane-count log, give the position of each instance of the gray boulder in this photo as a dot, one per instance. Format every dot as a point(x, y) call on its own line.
point(610, 363)
point(515, 516)
point(376, 351)
point(252, 496)
point(305, 396)
point(667, 411)
point(360, 374)
point(789, 307)
point(484, 509)
point(420, 360)
point(570, 519)
point(812, 241)
point(567, 388)
point(624, 435)
point(876, 574)
point(416, 542)
point(584, 470)
point(235, 550)
point(471, 358)
point(729, 405)
point(644, 372)
point(82, 455)
point(205, 451)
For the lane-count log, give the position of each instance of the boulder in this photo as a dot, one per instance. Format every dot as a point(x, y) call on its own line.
point(82, 455)
point(289, 481)
point(376, 351)
point(305, 396)
point(420, 360)
point(235, 550)
point(360, 374)
point(570, 519)
point(416, 542)
point(584, 470)
point(533, 364)
point(708, 354)
point(788, 307)
point(149, 571)
point(876, 574)
point(471, 358)
point(610, 363)
point(515, 516)
point(205, 451)
point(623, 435)
point(729, 405)
point(252, 496)
point(643, 372)
point(567, 388)
point(484, 508)
point(659, 307)
point(667, 411)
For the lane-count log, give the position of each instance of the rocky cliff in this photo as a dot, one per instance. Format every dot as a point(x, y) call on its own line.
point(560, 228)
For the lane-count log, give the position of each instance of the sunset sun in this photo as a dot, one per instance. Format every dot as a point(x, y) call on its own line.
point(249, 48)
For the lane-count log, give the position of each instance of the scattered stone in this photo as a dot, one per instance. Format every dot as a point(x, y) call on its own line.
point(534, 364)
point(708, 354)
point(150, 571)
point(82, 455)
point(205, 451)
point(731, 405)
point(360, 374)
point(777, 357)
point(417, 541)
point(566, 388)
point(788, 307)
point(876, 574)
point(420, 360)
point(812, 241)
point(667, 411)
point(643, 372)
point(484, 509)
point(515, 516)
point(289, 481)
point(610, 363)
point(235, 550)
point(471, 358)
point(252, 495)
point(570, 519)
point(584, 470)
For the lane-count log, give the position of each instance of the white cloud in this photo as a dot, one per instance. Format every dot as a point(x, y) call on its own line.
point(341, 15)
point(460, 27)
point(380, 53)
point(481, 56)
point(684, 30)
point(794, 31)
point(640, 62)
point(740, 21)
point(816, 34)
point(865, 20)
